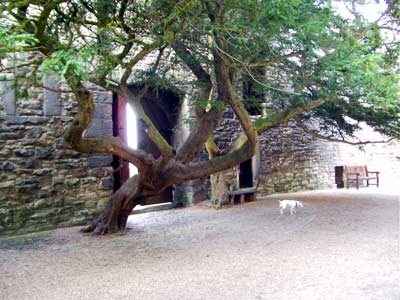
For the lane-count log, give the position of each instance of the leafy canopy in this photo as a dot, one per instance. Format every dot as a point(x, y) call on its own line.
point(287, 53)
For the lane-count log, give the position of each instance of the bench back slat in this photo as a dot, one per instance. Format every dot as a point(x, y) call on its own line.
point(362, 170)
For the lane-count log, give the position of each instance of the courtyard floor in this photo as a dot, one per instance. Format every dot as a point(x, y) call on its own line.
point(341, 245)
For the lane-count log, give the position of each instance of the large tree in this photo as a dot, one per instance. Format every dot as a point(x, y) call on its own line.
point(326, 72)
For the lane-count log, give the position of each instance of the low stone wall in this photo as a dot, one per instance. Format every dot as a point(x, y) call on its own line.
point(43, 183)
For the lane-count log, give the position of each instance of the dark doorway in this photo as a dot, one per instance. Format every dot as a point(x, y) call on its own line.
point(248, 172)
point(162, 107)
point(245, 174)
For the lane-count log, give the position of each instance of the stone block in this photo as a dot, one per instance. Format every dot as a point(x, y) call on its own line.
point(29, 142)
point(66, 119)
point(52, 101)
point(87, 180)
point(102, 202)
point(8, 97)
point(31, 163)
point(77, 221)
point(99, 127)
point(35, 132)
point(57, 181)
point(8, 166)
point(11, 136)
point(43, 172)
point(90, 200)
point(25, 120)
point(62, 154)
point(45, 214)
point(44, 152)
point(6, 184)
point(105, 97)
point(68, 164)
point(102, 111)
point(24, 152)
point(71, 181)
point(97, 161)
point(27, 181)
point(106, 184)
point(62, 144)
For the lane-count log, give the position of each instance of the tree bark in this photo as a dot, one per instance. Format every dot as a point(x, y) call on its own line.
point(219, 189)
point(118, 208)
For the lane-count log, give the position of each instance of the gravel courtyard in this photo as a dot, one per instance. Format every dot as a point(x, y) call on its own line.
point(341, 245)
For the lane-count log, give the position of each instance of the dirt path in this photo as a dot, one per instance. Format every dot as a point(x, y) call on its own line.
point(341, 245)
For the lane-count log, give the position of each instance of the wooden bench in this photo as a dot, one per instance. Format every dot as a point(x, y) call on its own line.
point(241, 195)
point(358, 174)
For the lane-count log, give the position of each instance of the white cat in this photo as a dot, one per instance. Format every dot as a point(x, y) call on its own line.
point(292, 204)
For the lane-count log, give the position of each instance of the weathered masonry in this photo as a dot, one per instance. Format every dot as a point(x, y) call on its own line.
point(293, 161)
point(44, 184)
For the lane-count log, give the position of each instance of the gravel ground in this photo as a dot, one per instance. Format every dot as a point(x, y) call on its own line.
point(343, 245)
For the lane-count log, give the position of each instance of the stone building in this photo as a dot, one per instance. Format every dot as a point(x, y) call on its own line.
point(292, 160)
point(44, 184)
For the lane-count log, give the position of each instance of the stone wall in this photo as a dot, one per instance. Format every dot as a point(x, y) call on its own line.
point(293, 161)
point(43, 183)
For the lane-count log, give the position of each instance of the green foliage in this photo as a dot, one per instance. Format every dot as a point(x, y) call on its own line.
point(206, 104)
point(14, 42)
point(67, 62)
point(292, 52)
point(185, 122)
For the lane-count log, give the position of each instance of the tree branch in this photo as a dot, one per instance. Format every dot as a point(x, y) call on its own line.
point(151, 130)
point(279, 118)
point(207, 121)
point(113, 145)
point(317, 135)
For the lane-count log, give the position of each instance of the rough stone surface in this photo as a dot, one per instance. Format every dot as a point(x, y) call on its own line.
point(8, 166)
point(293, 161)
point(42, 176)
point(52, 103)
point(106, 184)
point(7, 93)
point(45, 184)
point(96, 161)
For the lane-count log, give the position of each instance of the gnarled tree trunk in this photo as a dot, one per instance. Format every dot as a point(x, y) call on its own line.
point(118, 208)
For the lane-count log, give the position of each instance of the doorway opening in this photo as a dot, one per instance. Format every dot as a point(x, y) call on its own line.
point(162, 107)
point(246, 174)
point(132, 134)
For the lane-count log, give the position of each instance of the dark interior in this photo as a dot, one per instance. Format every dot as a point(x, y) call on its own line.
point(162, 107)
point(245, 174)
